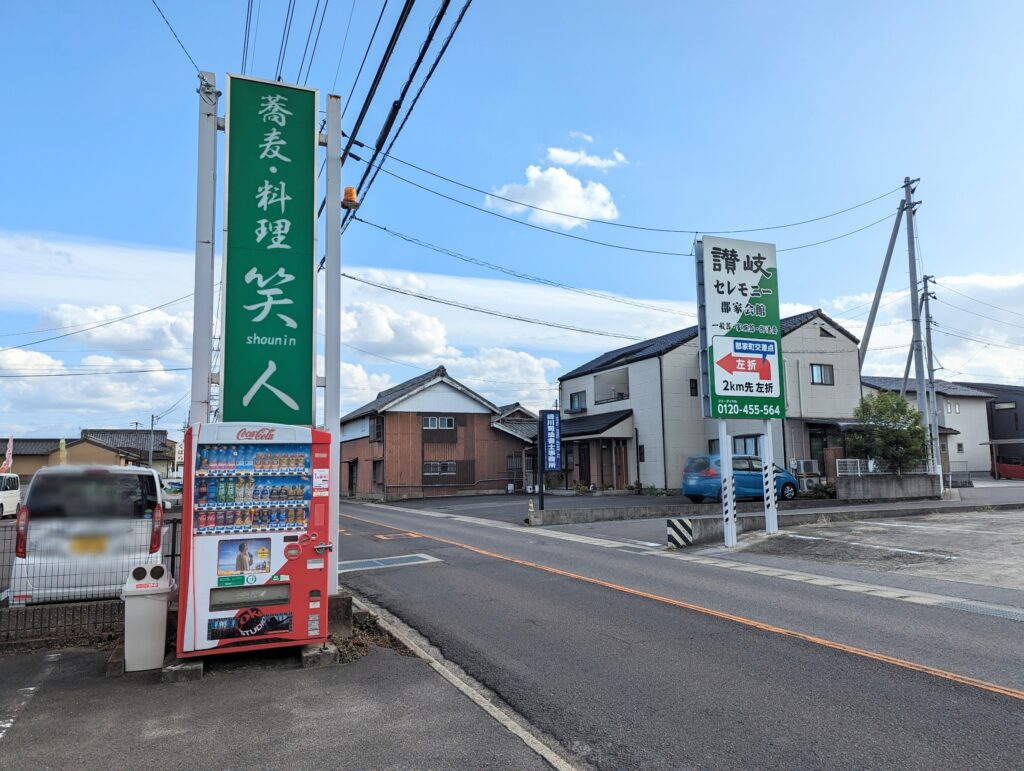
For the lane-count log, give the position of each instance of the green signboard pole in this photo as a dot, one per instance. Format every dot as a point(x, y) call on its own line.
point(267, 371)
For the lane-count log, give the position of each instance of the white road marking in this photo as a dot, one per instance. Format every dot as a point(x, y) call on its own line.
point(870, 546)
point(25, 695)
point(352, 566)
point(951, 529)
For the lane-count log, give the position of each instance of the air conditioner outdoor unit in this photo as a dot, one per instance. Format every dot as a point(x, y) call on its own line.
point(807, 484)
point(806, 467)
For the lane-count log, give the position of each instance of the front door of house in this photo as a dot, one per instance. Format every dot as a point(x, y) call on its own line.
point(353, 477)
point(621, 465)
point(584, 456)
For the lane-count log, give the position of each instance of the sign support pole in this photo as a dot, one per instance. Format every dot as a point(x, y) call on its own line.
point(206, 214)
point(540, 459)
point(771, 510)
point(728, 485)
point(332, 325)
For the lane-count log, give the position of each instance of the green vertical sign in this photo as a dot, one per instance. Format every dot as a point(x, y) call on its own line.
point(267, 370)
point(742, 329)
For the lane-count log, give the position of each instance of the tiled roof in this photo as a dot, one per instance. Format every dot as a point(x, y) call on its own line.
point(593, 424)
point(996, 389)
point(31, 446)
point(134, 440)
point(660, 345)
point(943, 387)
point(384, 398)
point(524, 429)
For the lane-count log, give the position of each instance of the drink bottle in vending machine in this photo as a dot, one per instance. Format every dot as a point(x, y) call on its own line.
point(255, 537)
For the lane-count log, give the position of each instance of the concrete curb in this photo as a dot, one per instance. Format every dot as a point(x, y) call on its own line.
point(476, 692)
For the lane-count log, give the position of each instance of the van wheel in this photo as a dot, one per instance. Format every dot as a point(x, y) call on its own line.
point(788, 491)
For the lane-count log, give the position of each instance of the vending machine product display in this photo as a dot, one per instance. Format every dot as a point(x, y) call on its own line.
point(254, 537)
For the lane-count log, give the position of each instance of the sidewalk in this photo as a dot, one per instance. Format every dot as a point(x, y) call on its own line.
point(58, 710)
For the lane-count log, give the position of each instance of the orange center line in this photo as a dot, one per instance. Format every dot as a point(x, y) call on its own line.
point(748, 622)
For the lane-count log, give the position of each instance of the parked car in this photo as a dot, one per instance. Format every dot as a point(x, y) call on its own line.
point(10, 495)
point(81, 529)
point(702, 478)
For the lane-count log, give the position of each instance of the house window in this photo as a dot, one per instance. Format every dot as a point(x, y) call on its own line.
point(640, 453)
point(744, 445)
point(377, 428)
point(956, 407)
point(514, 464)
point(949, 408)
point(944, 447)
point(821, 374)
point(822, 332)
point(960, 447)
point(694, 391)
point(713, 446)
point(1004, 406)
point(439, 422)
point(578, 401)
point(438, 467)
point(568, 458)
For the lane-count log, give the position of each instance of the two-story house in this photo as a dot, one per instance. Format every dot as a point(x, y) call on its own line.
point(1005, 427)
point(634, 414)
point(433, 436)
point(963, 420)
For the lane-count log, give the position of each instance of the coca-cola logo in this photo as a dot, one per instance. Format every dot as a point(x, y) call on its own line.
point(260, 435)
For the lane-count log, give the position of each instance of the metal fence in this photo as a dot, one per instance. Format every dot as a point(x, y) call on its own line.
point(64, 580)
point(861, 467)
point(957, 475)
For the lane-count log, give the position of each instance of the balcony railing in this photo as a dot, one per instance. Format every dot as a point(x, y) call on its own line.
point(618, 397)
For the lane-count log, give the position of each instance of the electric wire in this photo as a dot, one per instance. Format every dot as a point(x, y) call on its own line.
point(245, 39)
point(107, 372)
point(457, 377)
point(168, 23)
point(521, 274)
point(106, 323)
point(309, 37)
point(396, 106)
point(285, 34)
point(638, 227)
point(316, 44)
point(975, 299)
point(366, 53)
point(419, 92)
point(486, 311)
point(344, 43)
point(1015, 325)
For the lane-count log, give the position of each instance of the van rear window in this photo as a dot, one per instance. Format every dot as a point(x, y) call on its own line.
point(92, 496)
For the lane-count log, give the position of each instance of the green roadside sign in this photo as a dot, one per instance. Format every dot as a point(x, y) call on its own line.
point(741, 328)
point(267, 370)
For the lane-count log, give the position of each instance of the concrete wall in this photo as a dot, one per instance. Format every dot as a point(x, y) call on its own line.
point(887, 486)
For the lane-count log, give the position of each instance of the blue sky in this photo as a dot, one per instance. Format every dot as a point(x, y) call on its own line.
point(727, 115)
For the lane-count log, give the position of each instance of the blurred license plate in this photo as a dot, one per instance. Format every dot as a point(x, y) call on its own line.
point(89, 544)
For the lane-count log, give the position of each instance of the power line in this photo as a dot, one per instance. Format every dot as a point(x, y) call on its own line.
point(522, 275)
point(366, 53)
point(245, 39)
point(970, 338)
point(637, 227)
point(285, 34)
point(836, 238)
point(309, 37)
point(1015, 325)
point(975, 299)
point(316, 41)
point(108, 372)
point(457, 377)
point(419, 93)
point(512, 316)
point(389, 120)
point(96, 326)
point(168, 23)
point(344, 43)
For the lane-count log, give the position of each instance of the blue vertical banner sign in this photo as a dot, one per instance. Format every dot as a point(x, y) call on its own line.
point(551, 440)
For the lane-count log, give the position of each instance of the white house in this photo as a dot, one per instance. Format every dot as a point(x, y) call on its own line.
point(963, 419)
point(634, 414)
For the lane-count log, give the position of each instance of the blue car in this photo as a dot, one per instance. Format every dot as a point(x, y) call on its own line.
point(702, 478)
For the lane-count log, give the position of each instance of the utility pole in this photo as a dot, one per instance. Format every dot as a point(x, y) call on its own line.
point(935, 439)
point(152, 422)
point(206, 206)
point(915, 308)
point(866, 338)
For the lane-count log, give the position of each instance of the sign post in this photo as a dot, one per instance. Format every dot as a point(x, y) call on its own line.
point(741, 353)
point(549, 446)
point(268, 341)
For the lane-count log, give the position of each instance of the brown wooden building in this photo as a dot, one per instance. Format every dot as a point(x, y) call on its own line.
point(432, 436)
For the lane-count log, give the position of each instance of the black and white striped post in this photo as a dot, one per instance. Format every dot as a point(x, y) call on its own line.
point(680, 532)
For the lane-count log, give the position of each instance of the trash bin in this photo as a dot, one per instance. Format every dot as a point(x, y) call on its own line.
point(145, 596)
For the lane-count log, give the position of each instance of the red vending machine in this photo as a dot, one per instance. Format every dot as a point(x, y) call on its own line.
point(254, 537)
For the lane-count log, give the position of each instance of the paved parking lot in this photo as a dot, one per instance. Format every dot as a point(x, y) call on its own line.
point(985, 548)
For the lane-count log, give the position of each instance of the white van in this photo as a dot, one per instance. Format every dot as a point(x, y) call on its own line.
point(10, 495)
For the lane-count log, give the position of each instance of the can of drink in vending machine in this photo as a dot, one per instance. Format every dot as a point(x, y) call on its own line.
point(290, 517)
point(201, 522)
point(212, 491)
point(218, 520)
point(238, 520)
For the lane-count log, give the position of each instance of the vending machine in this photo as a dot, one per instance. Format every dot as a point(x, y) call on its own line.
point(254, 538)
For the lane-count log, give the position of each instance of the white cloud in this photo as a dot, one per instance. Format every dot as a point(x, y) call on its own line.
point(557, 190)
point(581, 135)
point(161, 333)
point(504, 376)
point(563, 157)
point(406, 333)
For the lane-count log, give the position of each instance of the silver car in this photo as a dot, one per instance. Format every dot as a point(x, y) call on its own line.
point(81, 529)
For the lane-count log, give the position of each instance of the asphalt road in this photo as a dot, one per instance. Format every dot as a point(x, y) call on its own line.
point(628, 658)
